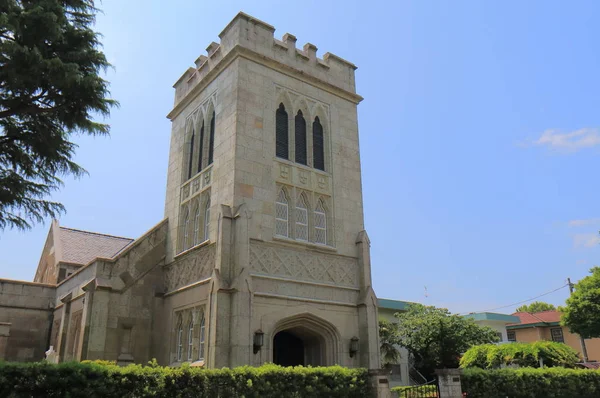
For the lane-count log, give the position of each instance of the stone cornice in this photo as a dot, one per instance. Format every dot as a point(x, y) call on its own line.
point(243, 52)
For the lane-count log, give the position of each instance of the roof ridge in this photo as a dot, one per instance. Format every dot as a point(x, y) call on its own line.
point(95, 233)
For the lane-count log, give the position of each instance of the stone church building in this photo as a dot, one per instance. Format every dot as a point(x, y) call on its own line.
point(262, 254)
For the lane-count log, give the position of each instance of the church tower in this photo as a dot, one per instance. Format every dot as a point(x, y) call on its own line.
point(267, 257)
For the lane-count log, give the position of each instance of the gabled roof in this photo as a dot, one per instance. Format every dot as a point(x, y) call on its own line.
point(81, 247)
point(529, 319)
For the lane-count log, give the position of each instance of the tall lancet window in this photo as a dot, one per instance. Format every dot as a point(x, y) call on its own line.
point(186, 229)
point(201, 145)
point(320, 224)
point(281, 133)
point(206, 219)
point(180, 342)
point(211, 139)
point(318, 145)
point(282, 215)
point(190, 347)
point(300, 135)
point(191, 157)
point(301, 219)
point(197, 225)
point(202, 333)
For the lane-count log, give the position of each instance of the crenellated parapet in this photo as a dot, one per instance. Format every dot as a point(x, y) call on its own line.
point(249, 37)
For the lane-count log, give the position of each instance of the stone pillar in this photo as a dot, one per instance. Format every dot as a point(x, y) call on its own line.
point(64, 326)
point(97, 321)
point(449, 383)
point(4, 334)
point(380, 383)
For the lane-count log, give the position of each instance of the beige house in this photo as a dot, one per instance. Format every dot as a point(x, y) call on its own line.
point(262, 254)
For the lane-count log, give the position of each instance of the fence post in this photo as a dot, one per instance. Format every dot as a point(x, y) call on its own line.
point(380, 383)
point(449, 383)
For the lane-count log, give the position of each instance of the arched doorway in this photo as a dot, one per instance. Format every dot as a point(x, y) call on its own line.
point(305, 340)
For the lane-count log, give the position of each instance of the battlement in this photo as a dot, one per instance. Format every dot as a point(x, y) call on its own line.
point(254, 38)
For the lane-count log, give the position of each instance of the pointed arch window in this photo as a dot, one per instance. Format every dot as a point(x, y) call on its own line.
point(180, 342)
point(201, 145)
point(301, 219)
point(318, 145)
point(191, 157)
point(186, 230)
point(190, 346)
point(197, 225)
point(206, 219)
point(320, 224)
point(300, 136)
point(282, 215)
point(281, 133)
point(211, 139)
point(202, 334)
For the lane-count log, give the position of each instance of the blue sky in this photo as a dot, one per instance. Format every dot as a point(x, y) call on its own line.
point(480, 137)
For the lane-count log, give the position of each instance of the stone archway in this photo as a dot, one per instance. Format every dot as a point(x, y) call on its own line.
point(305, 339)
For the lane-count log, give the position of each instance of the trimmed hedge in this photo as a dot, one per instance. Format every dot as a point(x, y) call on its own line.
point(531, 383)
point(492, 356)
point(90, 380)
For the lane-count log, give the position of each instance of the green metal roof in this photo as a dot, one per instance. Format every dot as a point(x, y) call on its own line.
point(393, 304)
point(493, 316)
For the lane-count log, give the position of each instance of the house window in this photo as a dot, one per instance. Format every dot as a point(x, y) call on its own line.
point(211, 139)
point(318, 145)
point(281, 133)
point(557, 335)
point(301, 219)
point(511, 335)
point(202, 332)
point(206, 219)
point(201, 149)
point(300, 135)
point(281, 215)
point(190, 341)
point(197, 226)
point(320, 224)
point(180, 342)
point(191, 157)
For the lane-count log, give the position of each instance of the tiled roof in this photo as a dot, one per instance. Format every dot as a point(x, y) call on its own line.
point(81, 247)
point(529, 318)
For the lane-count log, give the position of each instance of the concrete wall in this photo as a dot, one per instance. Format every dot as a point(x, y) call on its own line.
point(498, 326)
point(25, 316)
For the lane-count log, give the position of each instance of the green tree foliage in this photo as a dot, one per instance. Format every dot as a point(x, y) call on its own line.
point(536, 306)
point(531, 383)
point(389, 352)
point(435, 338)
point(582, 312)
point(50, 89)
point(85, 380)
point(490, 356)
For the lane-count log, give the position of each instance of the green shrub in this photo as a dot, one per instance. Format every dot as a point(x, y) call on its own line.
point(490, 356)
point(531, 383)
point(106, 380)
point(426, 391)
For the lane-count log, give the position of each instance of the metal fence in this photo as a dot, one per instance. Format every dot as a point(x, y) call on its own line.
point(426, 390)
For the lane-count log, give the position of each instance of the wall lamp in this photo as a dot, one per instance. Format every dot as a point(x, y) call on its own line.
point(259, 339)
point(353, 346)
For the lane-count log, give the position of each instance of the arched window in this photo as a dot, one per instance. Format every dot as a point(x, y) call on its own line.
point(180, 342)
point(211, 139)
point(318, 145)
point(206, 219)
point(190, 346)
point(301, 219)
point(300, 135)
point(281, 215)
point(281, 133)
point(191, 157)
point(197, 225)
point(186, 229)
point(320, 224)
point(202, 333)
point(201, 149)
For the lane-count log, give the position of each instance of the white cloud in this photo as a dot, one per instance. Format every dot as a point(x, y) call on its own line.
point(584, 222)
point(586, 240)
point(570, 142)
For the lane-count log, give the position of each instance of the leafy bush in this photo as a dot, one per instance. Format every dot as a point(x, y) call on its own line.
point(425, 391)
point(490, 356)
point(531, 383)
point(106, 380)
